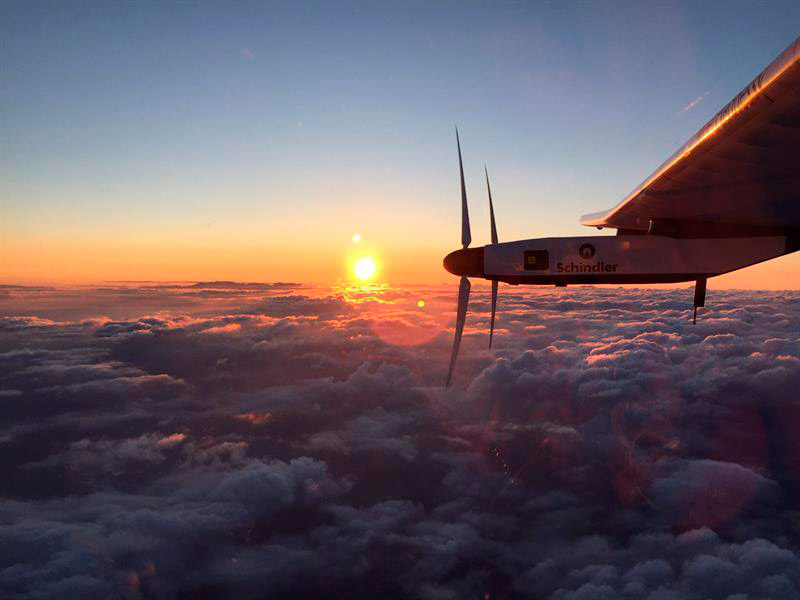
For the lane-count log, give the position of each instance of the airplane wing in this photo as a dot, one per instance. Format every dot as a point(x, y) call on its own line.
point(738, 175)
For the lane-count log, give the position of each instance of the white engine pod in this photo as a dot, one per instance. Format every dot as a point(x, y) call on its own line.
point(625, 257)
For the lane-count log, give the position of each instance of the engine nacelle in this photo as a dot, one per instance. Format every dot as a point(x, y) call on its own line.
point(625, 259)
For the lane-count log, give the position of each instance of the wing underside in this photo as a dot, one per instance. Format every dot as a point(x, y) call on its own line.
point(741, 170)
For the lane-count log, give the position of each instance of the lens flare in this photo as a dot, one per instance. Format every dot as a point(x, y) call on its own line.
point(365, 268)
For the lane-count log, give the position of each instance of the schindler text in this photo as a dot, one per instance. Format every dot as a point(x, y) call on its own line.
point(598, 267)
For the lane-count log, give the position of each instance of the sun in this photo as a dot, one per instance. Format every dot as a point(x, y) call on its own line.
point(364, 268)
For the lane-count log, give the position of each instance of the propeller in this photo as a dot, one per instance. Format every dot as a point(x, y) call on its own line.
point(468, 262)
point(494, 310)
point(463, 285)
point(493, 226)
point(466, 235)
point(491, 208)
point(461, 316)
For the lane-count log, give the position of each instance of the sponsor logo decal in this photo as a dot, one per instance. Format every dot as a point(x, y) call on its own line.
point(587, 252)
point(598, 267)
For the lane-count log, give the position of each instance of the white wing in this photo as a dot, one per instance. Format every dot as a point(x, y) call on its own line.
point(739, 174)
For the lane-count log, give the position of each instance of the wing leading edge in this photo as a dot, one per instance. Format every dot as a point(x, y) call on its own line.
point(740, 174)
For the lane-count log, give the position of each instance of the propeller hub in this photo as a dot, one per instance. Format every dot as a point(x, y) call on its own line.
point(467, 262)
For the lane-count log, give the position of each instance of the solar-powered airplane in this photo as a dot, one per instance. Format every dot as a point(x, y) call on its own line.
point(727, 199)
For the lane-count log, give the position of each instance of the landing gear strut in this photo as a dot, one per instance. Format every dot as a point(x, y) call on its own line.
point(699, 296)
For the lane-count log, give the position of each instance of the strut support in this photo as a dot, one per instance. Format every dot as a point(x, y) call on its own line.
point(699, 296)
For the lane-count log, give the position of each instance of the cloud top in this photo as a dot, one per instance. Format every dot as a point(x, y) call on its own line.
point(228, 440)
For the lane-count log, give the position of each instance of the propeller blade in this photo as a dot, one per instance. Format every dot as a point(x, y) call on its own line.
point(491, 207)
point(461, 316)
point(466, 235)
point(494, 310)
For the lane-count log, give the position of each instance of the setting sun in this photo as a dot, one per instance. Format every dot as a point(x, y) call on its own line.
point(364, 268)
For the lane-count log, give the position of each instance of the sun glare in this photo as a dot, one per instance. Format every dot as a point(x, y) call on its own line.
point(364, 268)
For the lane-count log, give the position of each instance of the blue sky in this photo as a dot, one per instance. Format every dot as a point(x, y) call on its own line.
point(276, 126)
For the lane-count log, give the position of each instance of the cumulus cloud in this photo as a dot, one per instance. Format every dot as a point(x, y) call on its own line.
point(255, 440)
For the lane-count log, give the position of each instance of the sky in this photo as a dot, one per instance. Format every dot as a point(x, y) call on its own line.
point(197, 402)
point(250, 141)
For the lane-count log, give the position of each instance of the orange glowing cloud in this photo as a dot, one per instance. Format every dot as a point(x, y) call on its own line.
point(255, 418)
point(229, 328)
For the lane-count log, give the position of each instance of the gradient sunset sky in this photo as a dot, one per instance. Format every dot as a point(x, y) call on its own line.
point(251, 141)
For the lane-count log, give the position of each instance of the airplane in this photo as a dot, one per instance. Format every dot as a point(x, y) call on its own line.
point(727, 199)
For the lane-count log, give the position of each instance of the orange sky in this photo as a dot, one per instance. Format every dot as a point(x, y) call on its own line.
point(326, 261)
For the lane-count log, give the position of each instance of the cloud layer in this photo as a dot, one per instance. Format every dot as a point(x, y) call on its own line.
point(228, 440)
